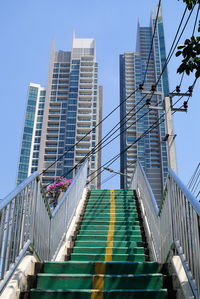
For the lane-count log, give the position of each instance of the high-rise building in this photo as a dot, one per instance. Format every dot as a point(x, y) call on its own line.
point(150, 150)
point(61, 115)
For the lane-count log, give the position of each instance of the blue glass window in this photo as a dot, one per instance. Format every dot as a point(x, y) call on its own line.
point(75, 67)
point(75, 61)
point(37, 140)
point(71, 120)
point(36, 155)
point(71, 127)
point(73, 89)
point(70, 141)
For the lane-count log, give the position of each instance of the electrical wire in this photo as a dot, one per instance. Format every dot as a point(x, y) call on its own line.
point(137, 120)
point(163, 69)
point(92, 152)
point(181, 81)
point(108, 178)
point(195, 22)
point(59, 158)
point(99, 146)
point(90, 131)
point(171, 52)
point(152, 39)
point(167, 60)
point(112, 160)
point(193, 176)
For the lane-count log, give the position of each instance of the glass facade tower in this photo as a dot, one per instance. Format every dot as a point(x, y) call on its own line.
point(29, 154)
point(150, 150)
point(64, 113)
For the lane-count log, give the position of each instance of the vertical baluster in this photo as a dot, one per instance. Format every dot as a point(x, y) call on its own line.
point(10, 236)
point(5, 241)
point(2, 236)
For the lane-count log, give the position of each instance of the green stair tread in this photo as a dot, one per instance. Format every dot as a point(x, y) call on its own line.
point(103, 222)
point(104, 243)
point(108, 294)
point(106, 228)
point(105, 232)
point(115, 238)
point(111, 267)
point(123, 250)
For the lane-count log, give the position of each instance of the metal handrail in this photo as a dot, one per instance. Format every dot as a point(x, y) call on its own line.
point(26, 222)
point(177, 223)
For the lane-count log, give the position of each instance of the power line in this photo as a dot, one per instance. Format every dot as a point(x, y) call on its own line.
point(112, 160)
point(98, 146)
point(171, 52)
point(94, 150)
point(108, 178)
point(167, 60)
point(152, 39)
point(195, 22)
point(164, 67)
point(109, 113)
point(144, 136)
point(89, 131)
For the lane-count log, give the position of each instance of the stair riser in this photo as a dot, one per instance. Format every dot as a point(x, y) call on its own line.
point(114, 257)
point(111, 282)
point(110, 267)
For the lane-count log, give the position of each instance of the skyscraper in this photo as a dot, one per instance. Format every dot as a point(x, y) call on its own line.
point(150, 150)
point(61, 115)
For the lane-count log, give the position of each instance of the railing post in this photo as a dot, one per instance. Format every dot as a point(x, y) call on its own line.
point(169, 132)
point(34, 205)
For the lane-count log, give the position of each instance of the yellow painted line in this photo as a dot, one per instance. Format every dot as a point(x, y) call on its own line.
point(98, 281)
point(97, 294)
point(110, 235)
point(100, 268)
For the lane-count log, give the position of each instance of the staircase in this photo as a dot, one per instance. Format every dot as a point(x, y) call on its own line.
point(108, 259)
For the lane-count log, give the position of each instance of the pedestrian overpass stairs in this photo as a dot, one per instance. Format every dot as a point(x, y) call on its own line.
point(119, 241)
point(110, 257)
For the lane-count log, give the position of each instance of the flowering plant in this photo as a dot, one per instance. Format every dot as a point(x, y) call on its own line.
point(61, 185)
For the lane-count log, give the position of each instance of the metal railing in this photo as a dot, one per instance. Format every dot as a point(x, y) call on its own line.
point(149, 209)
point(27, 222)
point(175, 225)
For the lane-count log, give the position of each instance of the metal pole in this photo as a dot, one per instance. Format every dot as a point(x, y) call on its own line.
point(169, 131)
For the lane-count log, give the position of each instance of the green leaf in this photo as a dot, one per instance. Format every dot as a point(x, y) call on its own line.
point(178, 53)
point(187, 71)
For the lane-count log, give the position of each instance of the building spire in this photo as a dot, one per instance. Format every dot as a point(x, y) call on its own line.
point(52, 45)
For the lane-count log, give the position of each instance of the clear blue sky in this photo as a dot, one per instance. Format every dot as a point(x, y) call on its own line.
point(26, 30)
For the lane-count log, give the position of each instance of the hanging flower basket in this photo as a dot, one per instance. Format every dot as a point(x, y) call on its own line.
point(54, 190)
